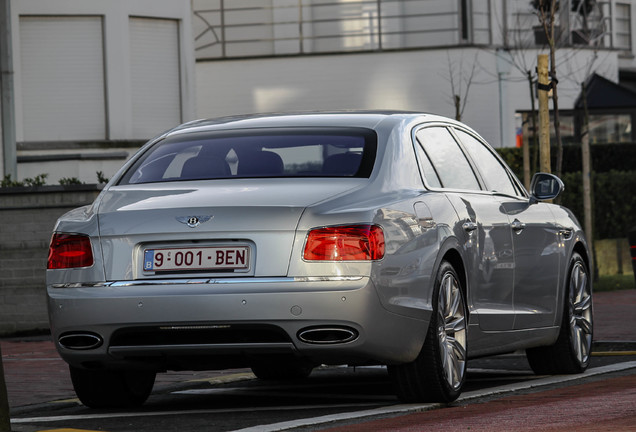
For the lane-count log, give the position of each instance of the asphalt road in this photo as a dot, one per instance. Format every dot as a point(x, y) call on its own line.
point(334, 397)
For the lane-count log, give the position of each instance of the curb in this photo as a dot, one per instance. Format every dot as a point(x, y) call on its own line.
point(613, 346)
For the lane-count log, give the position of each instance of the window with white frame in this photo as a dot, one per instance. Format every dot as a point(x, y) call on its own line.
point(623, 31)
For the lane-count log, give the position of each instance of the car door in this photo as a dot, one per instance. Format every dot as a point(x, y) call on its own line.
point(485, 227)
point(537, 263)
point(534, 238)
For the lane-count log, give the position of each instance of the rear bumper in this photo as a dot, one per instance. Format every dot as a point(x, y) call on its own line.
point(188, 324)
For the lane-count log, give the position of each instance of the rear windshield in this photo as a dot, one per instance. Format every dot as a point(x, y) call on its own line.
point(298, 152)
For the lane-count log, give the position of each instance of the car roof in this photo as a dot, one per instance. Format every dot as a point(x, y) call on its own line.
point(366, 119)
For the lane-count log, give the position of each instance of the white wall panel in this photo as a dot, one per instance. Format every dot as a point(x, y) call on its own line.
point(62, 64)
point(155, 82)
point(409, 80)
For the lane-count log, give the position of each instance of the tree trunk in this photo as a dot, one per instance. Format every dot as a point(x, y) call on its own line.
point(587, 178)
point(5, 420)
point(555, 109)
point(527, 146)
point(544, 113)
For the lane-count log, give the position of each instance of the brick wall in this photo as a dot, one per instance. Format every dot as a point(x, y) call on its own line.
point(27, 218)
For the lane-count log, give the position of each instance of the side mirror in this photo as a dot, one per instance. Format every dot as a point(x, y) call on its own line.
point(545, 187)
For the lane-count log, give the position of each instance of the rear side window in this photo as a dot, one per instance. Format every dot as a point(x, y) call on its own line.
point(298, 152)
point(449, 162)
point(427, 168)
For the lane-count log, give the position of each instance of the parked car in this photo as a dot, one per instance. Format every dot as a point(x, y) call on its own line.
point(283, 242)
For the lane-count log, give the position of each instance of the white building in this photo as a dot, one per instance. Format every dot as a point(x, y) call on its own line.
point(94, 79)
point(273, 55)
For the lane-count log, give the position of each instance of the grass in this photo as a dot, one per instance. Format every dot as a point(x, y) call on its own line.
point(615, 282)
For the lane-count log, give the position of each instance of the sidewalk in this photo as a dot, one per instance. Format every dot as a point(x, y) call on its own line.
point(601, 406)
point(34, 373)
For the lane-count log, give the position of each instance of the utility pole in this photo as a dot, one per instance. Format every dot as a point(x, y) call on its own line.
point(7, 99)
point(7, 124)
point(544, 113)
point(5, 420)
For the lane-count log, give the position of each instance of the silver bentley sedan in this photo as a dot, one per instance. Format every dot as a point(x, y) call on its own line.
point(284, 242)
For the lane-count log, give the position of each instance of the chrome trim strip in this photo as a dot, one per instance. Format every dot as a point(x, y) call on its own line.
point(159, 350)
point(224, 281)
point(327, 279)
point(81, 285)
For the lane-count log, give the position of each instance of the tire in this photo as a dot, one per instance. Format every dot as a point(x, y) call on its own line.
point(112, 389)
point(570, 354)
point(439, 371)
point(282, 370)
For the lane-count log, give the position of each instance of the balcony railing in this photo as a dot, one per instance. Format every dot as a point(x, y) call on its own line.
point(230, 28)
point(255, 28)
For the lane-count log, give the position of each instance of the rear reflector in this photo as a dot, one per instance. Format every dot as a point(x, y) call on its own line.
point(69, 251)
point(345, 243)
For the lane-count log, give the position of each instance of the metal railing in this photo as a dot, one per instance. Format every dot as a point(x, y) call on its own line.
point(573, 27)
point(286, 27)
point(241, 28)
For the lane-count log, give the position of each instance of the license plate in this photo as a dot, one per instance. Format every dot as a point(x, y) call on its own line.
point(204, 258)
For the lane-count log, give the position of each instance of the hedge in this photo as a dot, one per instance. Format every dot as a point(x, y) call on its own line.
point(613, 185)
point(613, 197)
point(605, 157)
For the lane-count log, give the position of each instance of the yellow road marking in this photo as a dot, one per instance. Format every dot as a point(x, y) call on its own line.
point(67, 430)
point(613, 353)
point(227, 378)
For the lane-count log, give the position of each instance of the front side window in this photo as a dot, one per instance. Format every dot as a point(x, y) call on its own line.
point(450, 163)
point(494, 174)
point(327, 152)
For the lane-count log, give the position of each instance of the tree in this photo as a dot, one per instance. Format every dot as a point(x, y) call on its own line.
point(519, 52)
point(460, 82)
point(546, 13)
point(586, 168)
point(584, 8)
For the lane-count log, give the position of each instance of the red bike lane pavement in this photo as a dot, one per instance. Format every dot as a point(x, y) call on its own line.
point(607, 405)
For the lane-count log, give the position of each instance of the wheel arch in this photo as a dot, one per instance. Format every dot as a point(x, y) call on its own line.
point(580, 248)
point(455, 259)
point(452, 255)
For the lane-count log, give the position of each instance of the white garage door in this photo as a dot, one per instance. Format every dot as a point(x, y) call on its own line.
point(62, 76)
point(155, 89)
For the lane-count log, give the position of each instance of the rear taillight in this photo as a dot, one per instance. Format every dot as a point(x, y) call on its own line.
point(70, 250)
point(345, 243)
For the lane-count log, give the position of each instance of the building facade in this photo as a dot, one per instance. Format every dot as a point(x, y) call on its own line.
point(470, 57)
point(92, 80)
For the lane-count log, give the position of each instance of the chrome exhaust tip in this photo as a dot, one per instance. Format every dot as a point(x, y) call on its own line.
point(80, 341)
point(327, 335)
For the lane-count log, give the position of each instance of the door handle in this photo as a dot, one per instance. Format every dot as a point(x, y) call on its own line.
point(469, 226)
point(517, 226)
point(566, 233)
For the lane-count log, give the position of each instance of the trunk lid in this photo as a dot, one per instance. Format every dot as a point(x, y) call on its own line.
point(256, 216)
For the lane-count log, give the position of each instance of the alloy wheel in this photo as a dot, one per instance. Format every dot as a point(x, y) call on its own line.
point(580, 312)
point(452, 330)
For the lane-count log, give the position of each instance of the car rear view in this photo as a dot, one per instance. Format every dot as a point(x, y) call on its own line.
point(220, 247)
point(282, 242)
